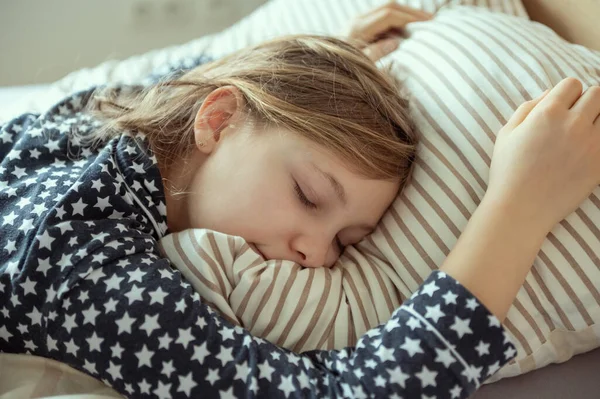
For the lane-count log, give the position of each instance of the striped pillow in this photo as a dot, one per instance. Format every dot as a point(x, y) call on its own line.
point(466, 72)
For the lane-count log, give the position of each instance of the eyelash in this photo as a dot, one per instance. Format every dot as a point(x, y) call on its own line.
point(310, 205)
point(302, 197)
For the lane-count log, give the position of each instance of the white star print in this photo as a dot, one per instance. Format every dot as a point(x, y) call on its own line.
point(167, 368)
point(135, 294)
point(434, 312)
point(472, 373)
point(116, 350)
point(145, 387)
point(94, 342)
point(89, 315)
point(213, 376)
point(103, 203)
point(136, 276)
point(114, 370)
point(397, 376)
point(483, 348)
point(165, 341)
point(144, 357)
point(113, 283)
point(493, 368)
point(51, 343)
point(427, 377)
point(138, 168)
point(78, 207)
point(26, 226)
point(28, 286)
point(510, 353)
point(385, 354)
point(150, 324)
point(45, 240)
point(265, 370)
point(185, 337)
point(72, 347)
point(35, 316)
point(111, 305)
point(412, 346)
point(19, 172)
point(23, 202)
point(472, 303)
point(227, 333)
point(158, 296)
point(455, 392)
point(225, 356)
point(186, 384)
point(200, 353)
point(287, 385)
point(125, 323)
point(429, 289)
point(444, 356)
point(461, 326)
point(69, 322)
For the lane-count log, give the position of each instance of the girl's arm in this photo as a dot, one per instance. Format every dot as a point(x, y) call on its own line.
point(123, 315)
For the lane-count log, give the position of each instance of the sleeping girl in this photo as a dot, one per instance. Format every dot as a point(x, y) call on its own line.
point(298, 146)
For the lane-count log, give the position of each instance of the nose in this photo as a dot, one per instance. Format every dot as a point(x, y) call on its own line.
point(312, 250)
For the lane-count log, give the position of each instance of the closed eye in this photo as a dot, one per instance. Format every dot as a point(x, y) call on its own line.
point(302, 197)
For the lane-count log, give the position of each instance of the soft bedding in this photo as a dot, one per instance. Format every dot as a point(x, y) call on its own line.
point(466, 72)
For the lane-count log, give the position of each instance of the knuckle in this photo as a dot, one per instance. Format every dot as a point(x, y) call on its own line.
point(387, 12)
point(550, 108)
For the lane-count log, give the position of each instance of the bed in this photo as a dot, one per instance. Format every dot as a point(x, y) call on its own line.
point(575, 21)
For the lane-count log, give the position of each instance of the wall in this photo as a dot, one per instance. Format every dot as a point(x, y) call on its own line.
point(41, 41)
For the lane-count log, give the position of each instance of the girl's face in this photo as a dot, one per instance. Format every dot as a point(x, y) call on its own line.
point(285, 197)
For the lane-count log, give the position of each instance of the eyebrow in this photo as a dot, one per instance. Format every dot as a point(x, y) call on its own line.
point(337, 187)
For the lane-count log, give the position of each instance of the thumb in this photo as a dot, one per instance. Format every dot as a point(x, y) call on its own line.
point(524, 109)
point(381, 48)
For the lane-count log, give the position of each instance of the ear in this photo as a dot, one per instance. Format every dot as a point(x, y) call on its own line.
point(220, 109)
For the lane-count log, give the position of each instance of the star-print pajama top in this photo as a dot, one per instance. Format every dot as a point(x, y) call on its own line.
point(82, 281)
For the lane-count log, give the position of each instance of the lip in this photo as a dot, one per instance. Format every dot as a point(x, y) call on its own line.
point(255, 249)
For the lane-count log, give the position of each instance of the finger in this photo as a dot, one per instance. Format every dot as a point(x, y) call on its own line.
point(370, 26)
point(524, 109)
point(420, 14)
point(381, 48)
point(565, 93)
point(588, 105)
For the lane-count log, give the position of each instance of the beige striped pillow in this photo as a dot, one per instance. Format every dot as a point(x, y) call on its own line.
point(466, 73)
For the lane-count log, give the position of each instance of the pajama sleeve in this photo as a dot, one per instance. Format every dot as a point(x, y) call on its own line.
point(103, 300)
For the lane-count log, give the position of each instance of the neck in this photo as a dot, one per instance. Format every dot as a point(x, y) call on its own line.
point(175, 182)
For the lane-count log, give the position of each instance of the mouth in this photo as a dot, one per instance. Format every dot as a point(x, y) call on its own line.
point(255, 249)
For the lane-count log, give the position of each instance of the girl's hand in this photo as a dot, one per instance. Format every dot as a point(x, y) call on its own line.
point(379, 29)
point(546, 159)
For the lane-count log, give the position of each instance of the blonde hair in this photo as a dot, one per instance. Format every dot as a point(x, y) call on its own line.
point(324, 89)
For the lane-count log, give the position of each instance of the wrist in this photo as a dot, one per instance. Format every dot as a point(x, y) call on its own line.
point(524, 217)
